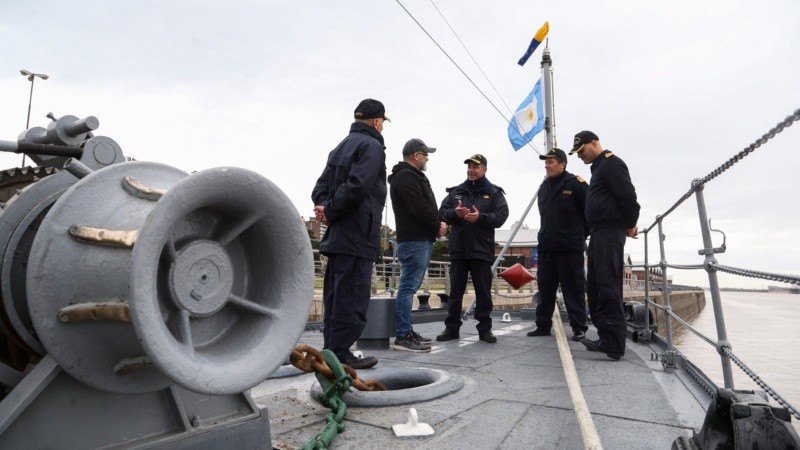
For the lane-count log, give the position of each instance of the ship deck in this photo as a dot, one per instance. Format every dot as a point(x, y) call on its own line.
point(515, 395)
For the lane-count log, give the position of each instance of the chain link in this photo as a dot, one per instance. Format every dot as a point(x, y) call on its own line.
point(729, 353)
point(787, 122)
point(308, 359)
point(756, 274)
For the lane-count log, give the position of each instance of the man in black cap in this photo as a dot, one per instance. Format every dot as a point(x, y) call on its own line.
point(611, 212)
point(349, 197)
point(562, 240)
point(418, 226)
point(473, 209)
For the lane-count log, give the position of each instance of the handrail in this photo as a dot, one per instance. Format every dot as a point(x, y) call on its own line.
point(787, 122)
point(711, 266)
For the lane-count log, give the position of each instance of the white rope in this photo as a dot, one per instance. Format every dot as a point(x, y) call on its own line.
point(591, 440)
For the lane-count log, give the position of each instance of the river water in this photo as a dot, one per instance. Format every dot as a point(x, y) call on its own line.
point(761, 327)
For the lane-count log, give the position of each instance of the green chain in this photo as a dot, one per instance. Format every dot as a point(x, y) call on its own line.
point(331, 398)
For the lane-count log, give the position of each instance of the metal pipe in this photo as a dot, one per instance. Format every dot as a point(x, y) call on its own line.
point(646, 290)
point(713, 284)
point(667, 307)
point(549, 111)
point(77, 168)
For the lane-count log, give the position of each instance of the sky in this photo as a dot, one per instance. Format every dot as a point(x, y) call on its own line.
point(675, 88)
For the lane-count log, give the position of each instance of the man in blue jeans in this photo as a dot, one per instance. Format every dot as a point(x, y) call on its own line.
point(418, 226)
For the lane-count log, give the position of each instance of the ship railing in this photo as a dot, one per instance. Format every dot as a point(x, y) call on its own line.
point(711, 266)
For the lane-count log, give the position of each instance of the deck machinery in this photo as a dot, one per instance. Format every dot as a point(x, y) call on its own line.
point(140, 303)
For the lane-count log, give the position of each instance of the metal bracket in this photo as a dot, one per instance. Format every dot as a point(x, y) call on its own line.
point(715, 250)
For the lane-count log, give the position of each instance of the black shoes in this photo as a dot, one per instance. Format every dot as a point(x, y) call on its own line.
point(594, 346)
point(361, 362)
point(539, 331)
point(488, 337)
point(447, 335)
point(578, 336)
point(419, 337)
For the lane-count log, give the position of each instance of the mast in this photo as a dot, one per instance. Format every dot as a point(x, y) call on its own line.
point(549, 128)
point(547, 85)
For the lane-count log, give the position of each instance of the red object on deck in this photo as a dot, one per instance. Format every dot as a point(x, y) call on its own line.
point(517, 276)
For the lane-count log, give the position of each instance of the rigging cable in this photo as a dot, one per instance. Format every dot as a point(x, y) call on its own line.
point(459, 67)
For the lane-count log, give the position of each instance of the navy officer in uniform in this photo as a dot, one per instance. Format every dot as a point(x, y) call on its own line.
point(562, 240)
point(349, 197)
point(473, 209)
point(611, 212)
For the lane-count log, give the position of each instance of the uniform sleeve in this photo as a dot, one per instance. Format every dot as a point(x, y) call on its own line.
point(582, 193)
point(364, 171)
point(319, 195)
point(621, 187)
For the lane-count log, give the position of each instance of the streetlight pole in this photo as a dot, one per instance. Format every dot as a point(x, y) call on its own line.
point(30, 76)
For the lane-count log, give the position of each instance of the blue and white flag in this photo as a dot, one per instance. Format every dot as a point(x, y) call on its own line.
point(528, 121)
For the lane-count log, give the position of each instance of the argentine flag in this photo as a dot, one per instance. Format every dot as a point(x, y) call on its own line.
point(528, 121)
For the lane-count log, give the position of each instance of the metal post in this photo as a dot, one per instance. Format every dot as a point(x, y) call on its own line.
point(647, 335)
point(30, 76)
point(713, 284)
point(669, 357)
point(547, 87)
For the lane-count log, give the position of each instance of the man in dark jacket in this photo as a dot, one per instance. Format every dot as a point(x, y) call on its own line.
point(473, 209)
point(418, 226)
point(562, 239)
point(611, 212)
point(349, 197)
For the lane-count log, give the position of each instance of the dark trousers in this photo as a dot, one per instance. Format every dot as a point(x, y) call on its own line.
point(604, 287)
point(481, 272)
point(345, 294)
point(565, 268)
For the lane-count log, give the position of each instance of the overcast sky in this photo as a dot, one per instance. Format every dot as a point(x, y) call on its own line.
point(675, 88)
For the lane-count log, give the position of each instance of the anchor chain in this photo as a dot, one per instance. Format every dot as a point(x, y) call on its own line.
point(313, 361)
point(335, 379)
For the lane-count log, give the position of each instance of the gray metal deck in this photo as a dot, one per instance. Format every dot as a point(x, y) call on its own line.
point(515, 396)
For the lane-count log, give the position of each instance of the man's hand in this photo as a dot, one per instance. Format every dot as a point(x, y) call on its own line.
point(461, 211)
point(319, 213)
point(473, 215)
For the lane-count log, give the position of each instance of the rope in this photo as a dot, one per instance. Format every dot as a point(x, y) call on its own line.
point(591, 440)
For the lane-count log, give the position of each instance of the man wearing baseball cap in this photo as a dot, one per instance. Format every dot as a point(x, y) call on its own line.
point(418, 226)
point(473, 209)
point(349, 197)
point(561, 243)
point(611, 212)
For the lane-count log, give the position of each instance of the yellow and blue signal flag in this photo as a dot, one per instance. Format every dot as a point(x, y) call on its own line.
point(537, 39)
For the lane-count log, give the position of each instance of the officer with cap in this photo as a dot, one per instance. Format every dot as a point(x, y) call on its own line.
point(562, 240)
point(473, 209)
point(611, 212)
point(349, 197)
